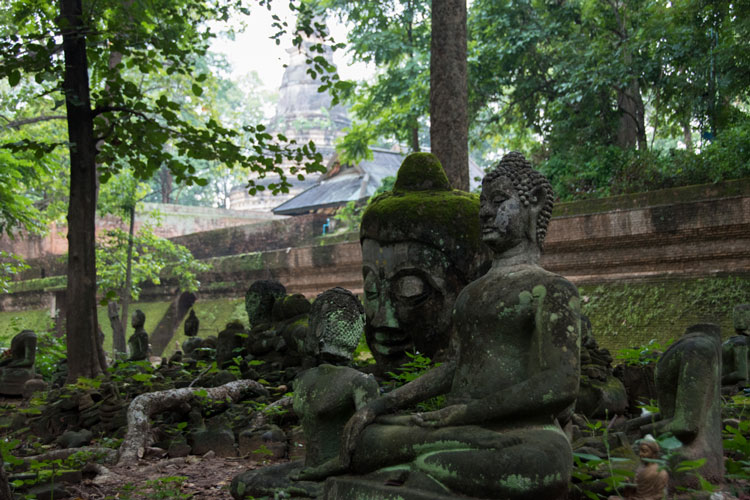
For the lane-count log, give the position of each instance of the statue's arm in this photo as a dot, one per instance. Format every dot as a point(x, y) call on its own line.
point(435, 382)
point(554, 365)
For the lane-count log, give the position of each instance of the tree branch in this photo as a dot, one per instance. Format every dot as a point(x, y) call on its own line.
point(28, 121)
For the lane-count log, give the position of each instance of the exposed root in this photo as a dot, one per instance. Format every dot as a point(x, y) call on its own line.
point(143, 407)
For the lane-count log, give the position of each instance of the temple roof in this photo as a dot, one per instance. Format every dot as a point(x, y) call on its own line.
point(345, 183)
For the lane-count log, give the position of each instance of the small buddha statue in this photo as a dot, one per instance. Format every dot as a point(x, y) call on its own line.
point(192, 342)
point(736, 350)
point(650, 479)
point(138, 342)
point(259, 300)
point(325, 396)
point(17, 365)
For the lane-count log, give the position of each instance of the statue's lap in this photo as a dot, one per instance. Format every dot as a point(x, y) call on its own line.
point(533, 462)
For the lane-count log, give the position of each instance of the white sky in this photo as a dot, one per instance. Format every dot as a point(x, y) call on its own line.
point(253, 50)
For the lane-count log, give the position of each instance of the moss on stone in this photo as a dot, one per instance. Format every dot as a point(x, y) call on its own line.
point(39, 284)
point(446, 220)
point(626, 315)
point(421, 172)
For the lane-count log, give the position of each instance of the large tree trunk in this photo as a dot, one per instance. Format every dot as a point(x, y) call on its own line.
point(449, 96)
point(84, 347)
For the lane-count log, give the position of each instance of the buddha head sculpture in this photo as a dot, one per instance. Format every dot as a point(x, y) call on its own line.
point(337, 320)
point(508, 220)
point(138, 319)
point(260, 298)
point(420, 247)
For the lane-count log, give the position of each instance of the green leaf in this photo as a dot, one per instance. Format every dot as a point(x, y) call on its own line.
point(197, 89)
point(14, 77)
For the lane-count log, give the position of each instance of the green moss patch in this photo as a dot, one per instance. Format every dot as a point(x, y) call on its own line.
point(632, 314)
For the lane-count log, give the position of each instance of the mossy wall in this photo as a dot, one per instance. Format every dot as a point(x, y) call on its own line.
point(631, 314)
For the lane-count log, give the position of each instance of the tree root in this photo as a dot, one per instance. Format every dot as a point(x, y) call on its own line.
point(109, 455)
point(146, 405)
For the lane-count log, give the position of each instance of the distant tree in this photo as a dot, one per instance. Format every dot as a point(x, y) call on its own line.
point(130, 128)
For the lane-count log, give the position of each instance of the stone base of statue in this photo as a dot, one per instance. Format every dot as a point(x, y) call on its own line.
point(12, 380)
point(362, 488)
point(390, 485)
point(270, 482)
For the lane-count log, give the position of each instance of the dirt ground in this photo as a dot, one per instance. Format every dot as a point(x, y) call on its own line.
point(206, 478)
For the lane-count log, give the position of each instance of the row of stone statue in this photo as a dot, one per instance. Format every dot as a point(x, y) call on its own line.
point(457, 278)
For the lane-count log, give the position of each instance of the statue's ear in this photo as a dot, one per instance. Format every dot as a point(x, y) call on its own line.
point(538, 197)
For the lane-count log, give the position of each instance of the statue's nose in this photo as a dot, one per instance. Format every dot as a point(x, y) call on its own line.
point(385, 315)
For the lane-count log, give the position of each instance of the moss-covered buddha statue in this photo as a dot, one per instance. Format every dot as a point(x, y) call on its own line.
point(420, 248)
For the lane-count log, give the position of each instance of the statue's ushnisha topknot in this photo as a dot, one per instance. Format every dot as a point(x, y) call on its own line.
point(525, 179)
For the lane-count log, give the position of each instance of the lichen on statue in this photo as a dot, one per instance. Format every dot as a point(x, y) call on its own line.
point(688, 385)
point(516, 370)
point(325, 396)
point(420, 247)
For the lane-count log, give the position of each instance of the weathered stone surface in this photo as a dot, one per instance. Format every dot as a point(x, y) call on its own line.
point(17, 365)
point(735, 371)
point(230, 344)
point(263, 443)
point(272, 482)
point(688, 378)
point(75, 439)
point(600, 394)
point(259, 300)
point(220, 441)
point(420, 247)
point(33, 385)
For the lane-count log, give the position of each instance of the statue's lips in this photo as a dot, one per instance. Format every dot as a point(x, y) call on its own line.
point(391, 341)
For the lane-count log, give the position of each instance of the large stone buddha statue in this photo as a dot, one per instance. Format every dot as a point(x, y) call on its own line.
point(420, 248)
point(516, 370)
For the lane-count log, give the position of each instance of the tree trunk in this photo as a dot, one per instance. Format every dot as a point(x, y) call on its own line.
point(449, 96)
point(147, 405)
point(125, 293)
point(82, 334)
point(415, 139)
point(687, 135)
point(632, 129)
point(165, 185)
point(118, 334)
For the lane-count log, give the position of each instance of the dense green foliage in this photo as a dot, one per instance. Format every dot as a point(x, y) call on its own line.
point(606, 97)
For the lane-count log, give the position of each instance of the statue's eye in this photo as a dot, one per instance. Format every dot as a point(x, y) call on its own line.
point(412, 289)
point(498, 199)
point(371, 287)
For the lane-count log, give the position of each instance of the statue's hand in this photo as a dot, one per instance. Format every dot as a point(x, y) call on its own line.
point(450, 415)
point(353, 428)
